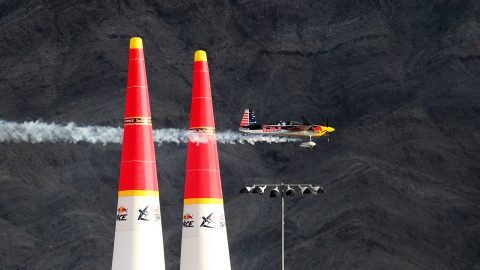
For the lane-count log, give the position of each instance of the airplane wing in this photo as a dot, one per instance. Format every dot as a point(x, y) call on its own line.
point(297, 128)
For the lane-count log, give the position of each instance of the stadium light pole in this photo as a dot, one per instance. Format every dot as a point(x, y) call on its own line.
point(283, 190)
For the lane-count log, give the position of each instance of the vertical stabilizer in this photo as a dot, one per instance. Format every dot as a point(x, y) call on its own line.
point(248, 119)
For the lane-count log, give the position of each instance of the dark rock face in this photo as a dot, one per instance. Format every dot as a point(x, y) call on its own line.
point(399, 80)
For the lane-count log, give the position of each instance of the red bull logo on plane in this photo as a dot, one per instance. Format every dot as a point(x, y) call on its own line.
point(188, 220)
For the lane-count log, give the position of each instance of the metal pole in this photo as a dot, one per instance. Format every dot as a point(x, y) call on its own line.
point(283, 228)
point(282, 188)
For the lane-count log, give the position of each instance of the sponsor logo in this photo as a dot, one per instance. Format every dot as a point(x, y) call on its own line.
point(213, 221)
point(156, 214)
point(143, 214)
point(188, 220)
point(122, 213)
point(221, 221)
point(271, 129)
point(137, 121)
point(208, 221)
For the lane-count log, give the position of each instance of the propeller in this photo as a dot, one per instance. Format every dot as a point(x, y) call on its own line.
point(327, 133)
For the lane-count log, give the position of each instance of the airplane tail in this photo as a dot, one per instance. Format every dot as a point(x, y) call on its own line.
point(248, 119)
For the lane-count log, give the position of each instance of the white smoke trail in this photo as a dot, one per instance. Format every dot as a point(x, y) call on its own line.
point(232, 137)
point(39, 132)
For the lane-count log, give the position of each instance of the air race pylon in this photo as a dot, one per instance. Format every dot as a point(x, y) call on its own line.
point(204, 233)
point(138, 231)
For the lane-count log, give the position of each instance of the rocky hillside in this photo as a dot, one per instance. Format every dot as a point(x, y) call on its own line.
point(399, 80)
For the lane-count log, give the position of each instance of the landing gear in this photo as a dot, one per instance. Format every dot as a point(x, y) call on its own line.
point(308, 144)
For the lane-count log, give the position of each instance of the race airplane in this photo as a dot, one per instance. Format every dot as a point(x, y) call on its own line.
point(291, 128)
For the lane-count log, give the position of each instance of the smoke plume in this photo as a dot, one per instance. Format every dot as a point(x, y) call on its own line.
point(40, 132)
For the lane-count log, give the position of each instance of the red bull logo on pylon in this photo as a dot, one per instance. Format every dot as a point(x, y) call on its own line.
point(187, 217)
point(188, 221)
point(122, 213)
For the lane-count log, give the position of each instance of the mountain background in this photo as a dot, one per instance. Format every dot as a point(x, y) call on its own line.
point(398, 79)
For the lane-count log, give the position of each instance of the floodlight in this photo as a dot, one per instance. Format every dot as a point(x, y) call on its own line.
point(275, 192)
point(307, 190)
point(246, 190)
point(290, 191)
point(259, 189)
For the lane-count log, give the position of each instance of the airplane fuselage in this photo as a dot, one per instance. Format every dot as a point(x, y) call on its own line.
point(289, 131)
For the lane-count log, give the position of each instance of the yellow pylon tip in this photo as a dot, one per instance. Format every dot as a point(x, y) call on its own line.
point(136, 43)
point(200, 56)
